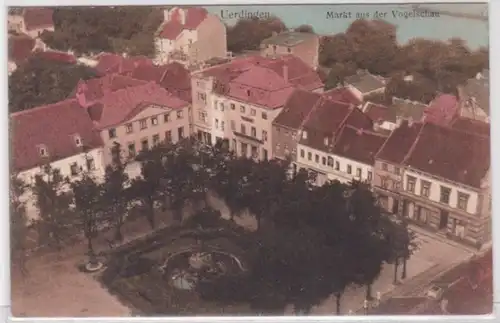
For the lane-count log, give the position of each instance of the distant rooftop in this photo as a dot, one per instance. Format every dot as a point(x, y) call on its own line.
point(290, 38)
point(365, 82)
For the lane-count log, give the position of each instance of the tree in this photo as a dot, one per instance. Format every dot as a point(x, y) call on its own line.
point(337, 74)
point(248, 34)
point(54, 204)
point(88, 195)
point(305, 29)
point(115, 193)
point(41, 81)
point(18, 220)
point(335, 49)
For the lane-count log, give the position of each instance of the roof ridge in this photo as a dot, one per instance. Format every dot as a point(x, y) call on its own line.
point(314, 108)
point(414, 144)
point(41, 107)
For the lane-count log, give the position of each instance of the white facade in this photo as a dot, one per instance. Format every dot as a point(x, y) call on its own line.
point(333, 166)
point(434, 194)
point(76, 162)
point(182, 43)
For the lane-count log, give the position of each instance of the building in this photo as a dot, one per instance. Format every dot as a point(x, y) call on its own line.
point(318, 138)
point(173, 77)
point(303, 45)
point(109, 63)
point(239, 100)
point(138, 118)
point(442, 110)
point(390, 117)
point(31, 21)
point(474, 97)
point(190, 35)
point(472, 126)
point(363, 83)
point(60, 134)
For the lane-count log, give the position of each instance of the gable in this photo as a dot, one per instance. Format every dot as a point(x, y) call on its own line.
point(146, 112)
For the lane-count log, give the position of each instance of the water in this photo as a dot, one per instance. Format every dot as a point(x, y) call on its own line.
point(474, 32)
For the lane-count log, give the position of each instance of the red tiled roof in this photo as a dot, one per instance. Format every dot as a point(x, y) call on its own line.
point(20, 48)
point(57, 56)
point(454, 155)
point(116, 107)
point(343, 94)
point(358, 144)
point(113, 63)
point(442, 110)
point(173, 28)
point(297, 108)
point(399, 143)
point(377, 112)
point(36, 18)
point(472, 126)
point(53, 126)
point(94, 89)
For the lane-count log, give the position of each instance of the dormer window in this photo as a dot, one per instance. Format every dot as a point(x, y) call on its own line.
point(304, 134)
point(248, 92)
point(78, 141)
point(42, 150)
point(325, 141)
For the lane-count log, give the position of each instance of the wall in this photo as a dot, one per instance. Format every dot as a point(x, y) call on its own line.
point(211, 40)
point(64, 165)
point(434, 194)
point(284, 141)
point(138, 135)
point(201, 86)
point(308, 51)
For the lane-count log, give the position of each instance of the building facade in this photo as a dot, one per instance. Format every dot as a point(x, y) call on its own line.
point(189, 36)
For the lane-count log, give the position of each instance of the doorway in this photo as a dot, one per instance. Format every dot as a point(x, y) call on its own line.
point(443, 220)
point(395, 206)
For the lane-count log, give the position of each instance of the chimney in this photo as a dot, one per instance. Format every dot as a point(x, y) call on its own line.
point(285, 72)
point(182, 16)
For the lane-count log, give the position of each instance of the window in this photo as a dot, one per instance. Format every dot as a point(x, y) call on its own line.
point(397, 170)
point(330, 161)
point(323, 160)
point(445, 195)
point(179, 114)
point(143, 124)
point(358, 172)
point(243, 129)
point(264, 154)
point(202, 116)
point(369, 176)
point(90, 162)
point(156, 140)
point(112, 133)
point(242, 109)
point(222, 125)
point(168, 136)
point(78, 141)
point(253, 132)
point(144, 144)
point(384, 166)
point(304, 134)
point(289, 49)
point(410, 183)
point(233, 106)
point(244, 149)
point(222, 107)
point(216, 123)
point(74, 169)
point(425, 188)
point(166, 117)
point(180, 133)
point(253, 112)
point(316, 158)
point(349, 169)
point(463, 199)
point(337, 165)
point(129, 128)
point(383, 182)
point(325, 141)
point(302, 153)
point(309, 156)
point(264, 135)
point(154, 121)
point(255, 153)
point(215, 104)
point(202, 97)
point(131, 150)
point(233, 125)
point(264, 115)
point(395, 185)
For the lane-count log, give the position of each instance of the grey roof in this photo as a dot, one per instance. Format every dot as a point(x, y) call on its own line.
point(399, 108)
point(365, 82)
point(289, 38)
point(479, 89)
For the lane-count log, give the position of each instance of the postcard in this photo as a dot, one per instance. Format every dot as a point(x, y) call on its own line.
point(249, 160)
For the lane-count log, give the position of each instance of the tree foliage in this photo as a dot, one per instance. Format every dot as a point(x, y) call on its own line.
point(305, 29)
point(41, 81)
point(18, 219)
point(247, 34)
point(87, 30)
